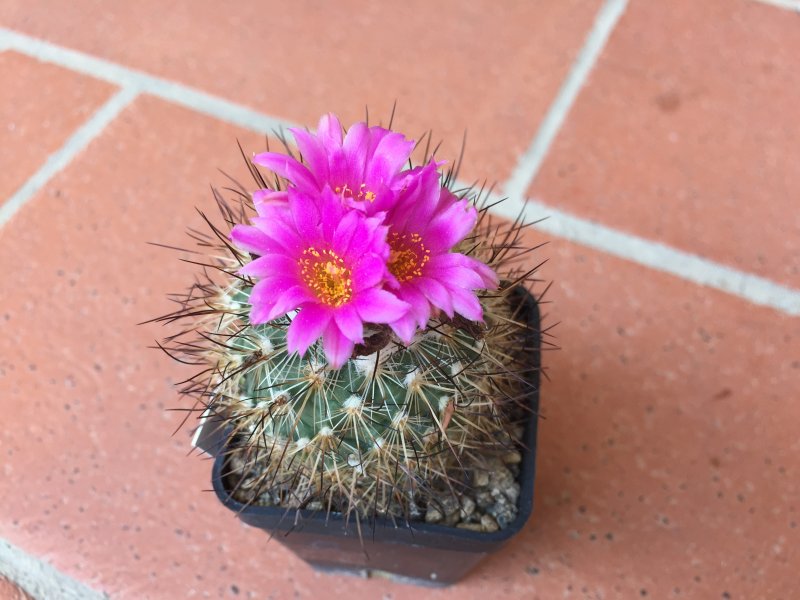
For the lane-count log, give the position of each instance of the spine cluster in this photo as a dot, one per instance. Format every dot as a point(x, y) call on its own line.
point(397, 428)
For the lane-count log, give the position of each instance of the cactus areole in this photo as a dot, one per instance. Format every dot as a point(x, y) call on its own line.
point(369, 357)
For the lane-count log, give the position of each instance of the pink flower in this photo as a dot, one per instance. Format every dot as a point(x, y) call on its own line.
point(363, 167)
point(426, 224)
point(324, 260)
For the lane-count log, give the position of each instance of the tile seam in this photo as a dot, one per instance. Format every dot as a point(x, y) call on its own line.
point(532, 158)
point(122, 76)
point(62, 157)
point(649, 253)
point(791, 5)
point(39, 579)
point(656, 255)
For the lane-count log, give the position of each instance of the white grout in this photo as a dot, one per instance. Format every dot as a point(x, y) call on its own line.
point(655, 255)
point(171, 91)
point(793, 5)
point(73, 146)
point(39, 579)
point(531, 160)
point(649, 253)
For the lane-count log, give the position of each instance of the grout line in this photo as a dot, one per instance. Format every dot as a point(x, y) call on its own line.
point(531, 160)
point(575, 229)
point(62, 157)
point(793, 5)
point(656, 255)
point(40, 580)
point(119, 75)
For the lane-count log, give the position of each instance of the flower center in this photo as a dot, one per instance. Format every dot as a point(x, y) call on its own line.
point(327, 275)
point(407, 256)
point(362, 193)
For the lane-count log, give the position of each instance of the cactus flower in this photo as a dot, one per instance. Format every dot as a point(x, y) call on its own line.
point(362, 167)
point(355, 236)
point(424, 226)
point(325, 261)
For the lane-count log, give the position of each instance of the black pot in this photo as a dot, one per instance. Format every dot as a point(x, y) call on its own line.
point(416, 552)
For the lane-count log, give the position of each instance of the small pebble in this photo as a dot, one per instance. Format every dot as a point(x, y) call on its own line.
point(452, 511)
point(488, 523)
point(484, 499)
point(433, 515)
point(480, 479)
point(467, 507)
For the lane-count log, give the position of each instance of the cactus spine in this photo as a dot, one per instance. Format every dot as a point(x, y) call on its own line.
point(393, 430)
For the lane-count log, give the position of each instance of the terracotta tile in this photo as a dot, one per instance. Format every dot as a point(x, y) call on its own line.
point(667, 463)
point(667, 456)
point(10, 591)
point(687, 133)
point(40, 107)
point(486, 67)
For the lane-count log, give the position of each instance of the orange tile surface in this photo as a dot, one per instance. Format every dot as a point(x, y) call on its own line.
point(9, 591)
point(40, 106)
point(492, 68)
point(668, 462)
point(687, 133)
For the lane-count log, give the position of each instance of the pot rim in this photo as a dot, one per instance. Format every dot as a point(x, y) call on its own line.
point(289, 519)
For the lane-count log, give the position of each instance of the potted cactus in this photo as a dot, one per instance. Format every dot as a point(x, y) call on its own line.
point(369, 358)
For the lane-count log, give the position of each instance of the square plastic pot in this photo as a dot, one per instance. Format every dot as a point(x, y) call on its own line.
point(415, 552)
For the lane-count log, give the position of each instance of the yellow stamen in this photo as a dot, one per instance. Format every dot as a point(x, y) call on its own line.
point(407, 256)
point(362, 194)
point(326, 274)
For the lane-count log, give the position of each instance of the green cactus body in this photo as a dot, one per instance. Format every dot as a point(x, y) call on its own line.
point(385, 423)
point(394, 431)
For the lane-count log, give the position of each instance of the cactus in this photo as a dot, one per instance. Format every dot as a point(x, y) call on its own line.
point(401, 424)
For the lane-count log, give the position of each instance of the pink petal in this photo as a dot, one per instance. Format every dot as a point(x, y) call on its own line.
point(370, 237)
point(455, 260)
point(305, 215)
point(368, 272)
point(288, 168)
point(339, 168)
point(252, 239)
point(344, 232)
point(420, 306)
point(288, 300)
point(338, 348)
point(379, 306)
point(263, 297)
point(456, 269)
point(355, 148)
point(329, 132)
point(262, 201)
point(490, 279)
point(451, 225)
point(259, 314)
point(349, 323)
point(436, 293)
point(307, 326)
point(313, 153)
point(331, 211)
point(283, 235)
point(270, 265)
point(405, 328)
point(417, 204)
point(466, 304)
point(391, 153)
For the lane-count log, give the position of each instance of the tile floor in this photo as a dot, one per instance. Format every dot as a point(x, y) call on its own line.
point(9, 591)
point(669, 462)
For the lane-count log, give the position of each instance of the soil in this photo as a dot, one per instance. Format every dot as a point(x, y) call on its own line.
point(488, 504)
